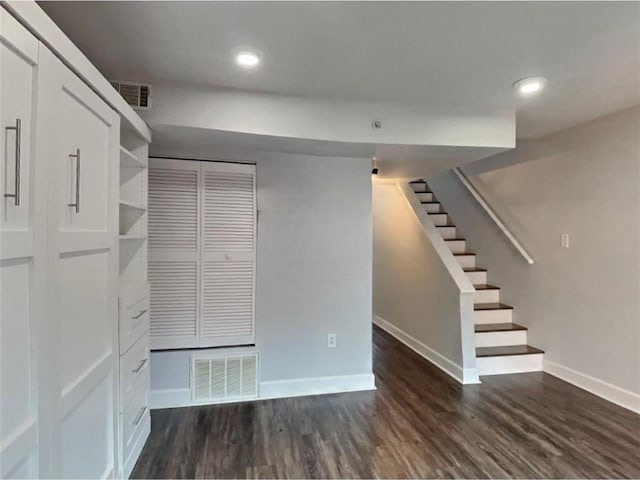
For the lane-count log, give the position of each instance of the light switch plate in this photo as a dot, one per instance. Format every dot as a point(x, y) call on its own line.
point(564, 240)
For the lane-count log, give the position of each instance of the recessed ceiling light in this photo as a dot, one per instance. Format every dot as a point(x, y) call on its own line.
point(530, 85)
point(247, 58)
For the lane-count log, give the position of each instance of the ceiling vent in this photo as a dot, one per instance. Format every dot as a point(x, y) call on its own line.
point(138, 95)
point(223, 377)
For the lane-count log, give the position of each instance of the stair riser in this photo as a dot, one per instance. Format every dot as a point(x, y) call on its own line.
point(457, 246)
point(431, 207)
point(483, 317)
point(501, 339)
point(477, 278)
point(466, 261)
point(439, 219)
point(509, 364)
point(487, 296)
point(425, 197)
point(447, 232)
point(419, 187)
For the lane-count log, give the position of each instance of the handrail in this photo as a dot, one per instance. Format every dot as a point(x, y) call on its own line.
point(494, 216)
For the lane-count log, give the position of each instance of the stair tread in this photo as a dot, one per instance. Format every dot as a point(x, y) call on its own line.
point(507, 350)
point(474, 269)
point(437, 213)
point(498, 327)
point(492, 306)
point(485, 286)
point(464, 254)
point(455, 239)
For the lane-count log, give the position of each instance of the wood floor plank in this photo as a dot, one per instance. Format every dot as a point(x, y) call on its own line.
point(418, 424)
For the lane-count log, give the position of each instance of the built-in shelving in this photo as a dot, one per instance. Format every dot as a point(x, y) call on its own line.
point(130, 160)
point(133, 237)
point(132, 206)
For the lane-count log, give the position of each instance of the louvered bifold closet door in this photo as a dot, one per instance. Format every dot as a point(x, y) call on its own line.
point(228, 254)
point(174, 238)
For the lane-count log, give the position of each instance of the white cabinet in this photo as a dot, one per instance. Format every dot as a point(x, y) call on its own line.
point(58, 267)
point(78, 139)
point(22, 258)
point(135, 419)
point(74, 382)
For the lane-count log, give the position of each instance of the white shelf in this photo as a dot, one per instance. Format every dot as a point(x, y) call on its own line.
point(128, 159)
point(133, 237)
point(131, 206)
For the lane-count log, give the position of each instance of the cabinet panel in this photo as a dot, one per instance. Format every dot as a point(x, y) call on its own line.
point(85, 329)
point(134, 322)
point(21, 261)
point(17, 81)
point(84, 137)
point(81, 148)
point(16, 374)
point(134, 415)
point(87, 438)
point(134, 369)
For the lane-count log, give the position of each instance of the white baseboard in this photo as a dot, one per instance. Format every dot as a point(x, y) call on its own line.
point(617, 395)
point(297, 387)
point(466, 376)
point(170, 398)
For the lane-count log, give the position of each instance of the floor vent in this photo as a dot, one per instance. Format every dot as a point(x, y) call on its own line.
point(224, 377)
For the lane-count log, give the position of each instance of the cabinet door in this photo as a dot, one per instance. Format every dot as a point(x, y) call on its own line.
point(174, 252)
point(21, 260)
point(228, 216)
point(81, 147)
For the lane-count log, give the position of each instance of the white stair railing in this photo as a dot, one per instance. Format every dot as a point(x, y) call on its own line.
point(494, 216)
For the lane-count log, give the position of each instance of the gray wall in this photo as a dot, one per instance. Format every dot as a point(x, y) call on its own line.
point(314, 271)
point(314, 266)
point(412, 288)
point(581, 304)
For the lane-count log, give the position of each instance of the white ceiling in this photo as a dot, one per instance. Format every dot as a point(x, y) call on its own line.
point(440, 54)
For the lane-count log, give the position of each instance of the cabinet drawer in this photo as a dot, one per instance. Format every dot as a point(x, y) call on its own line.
point(134, 369)
point(134, 321)
point(135, 416)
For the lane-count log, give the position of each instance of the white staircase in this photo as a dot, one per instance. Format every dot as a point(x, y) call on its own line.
point(501, 345)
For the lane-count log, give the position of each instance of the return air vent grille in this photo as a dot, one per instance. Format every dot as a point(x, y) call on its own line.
point(138, 95)
point(224, 377)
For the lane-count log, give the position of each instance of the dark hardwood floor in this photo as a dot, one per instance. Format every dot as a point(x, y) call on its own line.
point(419, 423)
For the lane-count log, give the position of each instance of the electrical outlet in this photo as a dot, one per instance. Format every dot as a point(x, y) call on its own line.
point(564, 240)
point(331, 340)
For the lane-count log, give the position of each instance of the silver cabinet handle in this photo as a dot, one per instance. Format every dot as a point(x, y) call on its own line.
point(16, 194)
point(77, 157)
point(139, 416)
point(140, 365)
point(142, 312)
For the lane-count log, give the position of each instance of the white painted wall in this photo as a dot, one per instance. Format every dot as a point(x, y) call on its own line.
point(414, 140)
point(582, 304)
point(314, 266)
point(329, 120)
point(314, 274)
point(415, 295)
